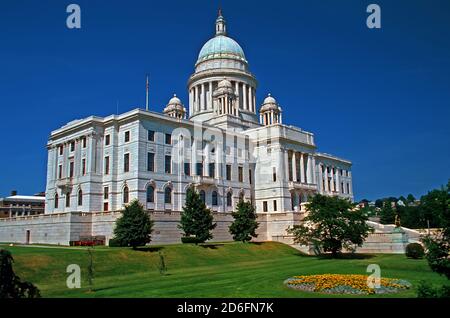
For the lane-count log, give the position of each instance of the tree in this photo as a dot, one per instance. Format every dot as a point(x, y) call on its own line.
point(244, 225)
point(332, 224)
point(410, 199)
point(196, 219)
point(134, 227)
point(10, 284)
point(387, 213)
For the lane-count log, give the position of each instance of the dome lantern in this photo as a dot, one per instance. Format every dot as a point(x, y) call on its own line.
point(175, 108)
point(270, 112)
point(221, 24)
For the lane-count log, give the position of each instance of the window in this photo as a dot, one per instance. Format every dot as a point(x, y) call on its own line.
point(275, 205)
point(107, 165)
point(105, 206)
point(199, 168)
point(61, 150)
point(83, 167)
point(107, 140)
point(151, 162)
point(168, 164)
point(68, 200)
point(229, 199)
point(274, 174)
point(187, 168)
point(72, 146)
point(168, 195)
point(215, 198)
point(342, 187)
point(348, 188)
point(60, 172)
point(84, 142)
point(126, 162)
point(127, 136)
point(329, 185)
point(212, 170)
point(265, 209)
point(106, 193)
point(241, 174)
point(71, 168)
point(80, 197)
point(203, 196)
point(168, 139)
point(150, 194)
point(126, 195)
point(56, 201)
point(250, 176)
point(229, 172)
point(151, 135)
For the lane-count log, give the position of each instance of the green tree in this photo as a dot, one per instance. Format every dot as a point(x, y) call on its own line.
point(10, 284)
point(387, 213)
point(244, 225)
point(134, 227)
point(196, 219)
point(332, 224)
point(410, 199)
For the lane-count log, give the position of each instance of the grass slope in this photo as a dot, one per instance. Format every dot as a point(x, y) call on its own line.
point(220, 270)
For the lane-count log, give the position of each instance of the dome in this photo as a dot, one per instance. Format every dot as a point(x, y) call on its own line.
point(221, 47)
point(175, 100)
point(174, 105)
point(269, 100)
point(225, 84)
point(269, 104)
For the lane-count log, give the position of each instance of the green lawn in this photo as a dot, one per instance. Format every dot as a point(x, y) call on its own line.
point(221, 270)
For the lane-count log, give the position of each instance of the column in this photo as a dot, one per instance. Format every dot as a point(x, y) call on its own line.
point(302, 168)
point(196, 102)
point(286, 164)
point(244, 90)
point(250, 98)
point(191, 102)
point(309, 170)
point(254, 100)
point(313, 163)
point(338, 182)
point(261, 119)
point(194, 158)
point(326, 180)
point(203, 96)
point(210, 103)
point(281, 118)
point(236, 92)
point(320, 180)
point(294, 166)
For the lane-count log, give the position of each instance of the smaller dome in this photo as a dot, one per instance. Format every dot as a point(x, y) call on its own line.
point(175, 100)
point(269, 104)
point(174, 105)
point(225, 84)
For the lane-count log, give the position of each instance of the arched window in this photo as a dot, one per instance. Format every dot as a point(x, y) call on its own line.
point(56, 200)
point(215, 198)
point(168, 195)
point(68, 200)
point(126, 195)
point(150, 194)
point(80, 197)
point(229, 199)
point(203, 196)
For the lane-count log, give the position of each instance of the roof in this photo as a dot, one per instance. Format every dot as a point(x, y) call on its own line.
point(219, 47)
point(24, 198)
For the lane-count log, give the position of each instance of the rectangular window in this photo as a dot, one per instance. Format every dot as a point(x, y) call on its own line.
point(265, 206)
point(60, 167)
point(241, 174)
point(275, 205)
point(168, 139)
point(229, 172)
point(348, 188)
point(200, 169)
point(126, 162)
point(72, 146)
point(342, 187)
point(274, 174)
point(168, 164)
point(105, 206)
point(151, 135)
point(187, 169)
point(107, 140)
point(107, 165)
point(212, 170)
point(106, 193)
point(127, 136)
point(83, 167)
point(71, 169)
point(250, 176)
point(61, 150)
point(84, 142)
point(151, 162)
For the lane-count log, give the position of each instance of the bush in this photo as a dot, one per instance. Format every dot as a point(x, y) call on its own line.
point(114, 243)
point(189, 240)
point(426, 290)
point(414, 250)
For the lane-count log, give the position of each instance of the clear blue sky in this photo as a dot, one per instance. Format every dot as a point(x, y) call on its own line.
point(380, 98)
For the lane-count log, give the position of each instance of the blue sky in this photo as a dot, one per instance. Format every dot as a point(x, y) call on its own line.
point(380, 98)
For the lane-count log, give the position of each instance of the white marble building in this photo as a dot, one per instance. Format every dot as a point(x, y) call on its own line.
point(227, 146)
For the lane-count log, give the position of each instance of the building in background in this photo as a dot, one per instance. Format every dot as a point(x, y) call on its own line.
point(22, 205)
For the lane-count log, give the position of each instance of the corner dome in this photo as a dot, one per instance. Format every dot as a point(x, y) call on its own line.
point(270, 104)
point(221, 47)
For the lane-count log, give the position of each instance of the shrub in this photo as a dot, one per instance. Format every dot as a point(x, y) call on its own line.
point(414, 250)
point(189, 240)
point(426, 290)
point(114, 243)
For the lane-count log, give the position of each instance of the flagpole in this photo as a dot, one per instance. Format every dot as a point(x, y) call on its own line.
point(147, 86)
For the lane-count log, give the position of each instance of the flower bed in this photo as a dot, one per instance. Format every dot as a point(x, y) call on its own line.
point(345, 284)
